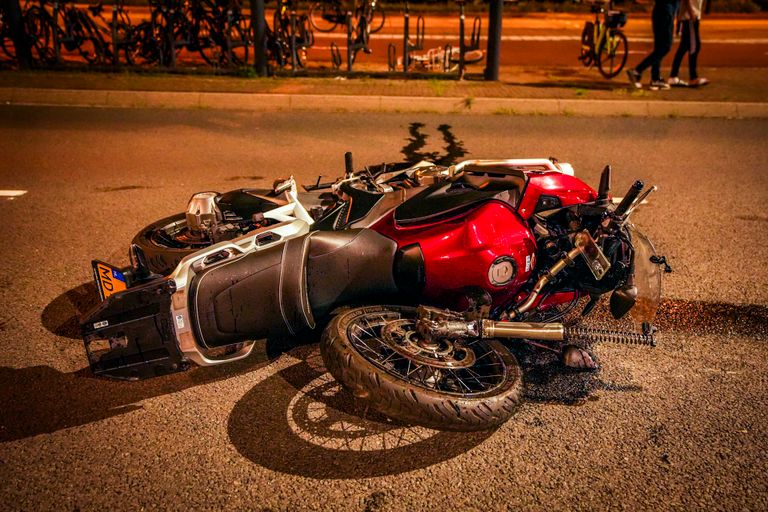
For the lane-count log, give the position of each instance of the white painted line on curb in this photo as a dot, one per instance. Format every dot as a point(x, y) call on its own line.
point(12, 194)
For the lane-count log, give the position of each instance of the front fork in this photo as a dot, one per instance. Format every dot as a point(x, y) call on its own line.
point(437, 323)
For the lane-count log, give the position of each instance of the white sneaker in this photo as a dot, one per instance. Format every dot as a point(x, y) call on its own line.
point(659, 85)
point(676, 82)
point(634, 78)
point(699, 82)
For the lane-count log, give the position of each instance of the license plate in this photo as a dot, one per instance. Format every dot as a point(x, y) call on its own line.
point(108, 279)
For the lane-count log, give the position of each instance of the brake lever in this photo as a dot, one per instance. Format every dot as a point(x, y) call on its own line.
point(637, 202)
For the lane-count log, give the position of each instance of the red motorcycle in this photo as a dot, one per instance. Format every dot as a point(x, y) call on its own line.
point(422, 271)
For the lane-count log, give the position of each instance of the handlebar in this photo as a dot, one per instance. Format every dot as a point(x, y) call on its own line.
point(632, 194)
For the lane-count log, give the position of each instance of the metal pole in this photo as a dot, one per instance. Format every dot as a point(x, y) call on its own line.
point(493, 54)
point(18, 32)
point(259, 23)
point(461, 39)
point(406, 30)
point(349, 41)
point(228, 28)
point(115, 47)
point(293, 40)
point(56, 50)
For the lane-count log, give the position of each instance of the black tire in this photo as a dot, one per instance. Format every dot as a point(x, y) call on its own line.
point(161, 258)
point(144, 47)
point(587, 45)
point(613, 53)
point(39, 28)
point(207, 39)
point(91, 49)
point(375, 20)
point(239, 38)
point(322, 15)
point(406, 400)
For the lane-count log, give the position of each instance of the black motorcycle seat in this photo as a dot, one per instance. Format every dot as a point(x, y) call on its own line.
point(443, 199)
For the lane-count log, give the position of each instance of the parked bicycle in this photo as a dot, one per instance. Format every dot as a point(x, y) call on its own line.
point(64, 26)
point(603, 42)
point(290, 37)
point(326, 15)
point(229, 33)
point(6, 38)
point(124, 36)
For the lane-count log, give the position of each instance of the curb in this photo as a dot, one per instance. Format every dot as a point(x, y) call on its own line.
point(349, 103)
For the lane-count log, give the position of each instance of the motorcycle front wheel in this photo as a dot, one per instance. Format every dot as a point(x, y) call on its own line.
point(464, 385)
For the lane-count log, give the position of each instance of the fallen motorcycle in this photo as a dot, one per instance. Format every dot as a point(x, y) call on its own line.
point(418, 271)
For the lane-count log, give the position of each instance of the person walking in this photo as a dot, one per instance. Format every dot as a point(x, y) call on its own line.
point(663, 21)
point(690, 43)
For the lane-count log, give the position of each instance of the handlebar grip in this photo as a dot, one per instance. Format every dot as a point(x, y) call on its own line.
point(348, 162)
point(632, 194)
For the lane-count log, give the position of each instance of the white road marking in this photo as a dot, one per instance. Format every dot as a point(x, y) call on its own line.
point(12, 194)
point(441, 37)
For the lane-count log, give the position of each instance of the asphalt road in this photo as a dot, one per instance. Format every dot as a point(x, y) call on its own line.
point(682, 426)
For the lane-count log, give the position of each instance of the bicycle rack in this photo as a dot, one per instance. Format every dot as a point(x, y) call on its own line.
point(360, 42)
point(298, 35)
point(335, 56)
point(409, 46)
point(474, 40)
point(117, 43)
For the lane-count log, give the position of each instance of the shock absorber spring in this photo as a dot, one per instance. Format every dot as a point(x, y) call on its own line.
point(603, 335)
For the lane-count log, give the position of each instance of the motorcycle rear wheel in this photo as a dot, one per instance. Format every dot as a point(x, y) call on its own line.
point(443, 398)
point(163, 243)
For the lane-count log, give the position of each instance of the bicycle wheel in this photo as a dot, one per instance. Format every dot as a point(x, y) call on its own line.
point(239, 41)
point(325, 16)
point(587, 44)
point(613, 54)
point(90, 49)
point(376, 19)
point(39, 30)
point(207, 38)
point(142, 48)
point(7, 43)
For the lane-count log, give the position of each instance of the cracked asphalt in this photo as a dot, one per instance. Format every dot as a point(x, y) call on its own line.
point(681, 426)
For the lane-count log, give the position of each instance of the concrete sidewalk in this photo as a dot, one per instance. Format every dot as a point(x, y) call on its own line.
point(734, 93)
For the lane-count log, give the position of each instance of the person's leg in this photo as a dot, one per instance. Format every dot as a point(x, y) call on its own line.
point(666, 29)
point(651, 57)
point(695, 49)
point(682, 48)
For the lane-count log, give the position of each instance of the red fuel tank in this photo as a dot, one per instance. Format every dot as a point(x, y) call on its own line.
point(565, 189)
point(489, 247)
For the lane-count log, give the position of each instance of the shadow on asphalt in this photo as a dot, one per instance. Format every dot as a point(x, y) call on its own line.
point(299, 420)
point(413, 151)
point(42, 400)
point(62, 315)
